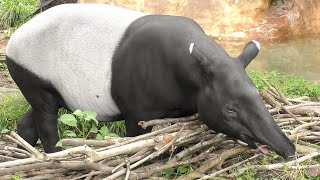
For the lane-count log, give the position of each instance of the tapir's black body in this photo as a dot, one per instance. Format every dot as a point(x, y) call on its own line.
point(154, 74)
point(164, 66)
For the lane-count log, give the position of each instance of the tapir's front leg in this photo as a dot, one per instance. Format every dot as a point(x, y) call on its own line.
point(132, 119)
point(133, 129)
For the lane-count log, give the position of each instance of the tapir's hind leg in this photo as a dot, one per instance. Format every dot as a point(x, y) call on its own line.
point(45, 102)
point(46, 122)
point(44, 115)
point(27, 129)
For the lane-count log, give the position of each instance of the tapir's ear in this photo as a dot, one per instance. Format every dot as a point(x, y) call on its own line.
point(197, 54)
point(249, 52)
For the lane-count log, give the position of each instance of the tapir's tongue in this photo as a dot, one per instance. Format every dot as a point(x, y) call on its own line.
point(263, 148)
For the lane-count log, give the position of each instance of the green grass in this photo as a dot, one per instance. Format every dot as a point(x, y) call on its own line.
point(13, 13)
point(12, 107)
point(290, 85)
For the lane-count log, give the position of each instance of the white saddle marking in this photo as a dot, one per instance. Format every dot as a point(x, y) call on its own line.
point(71, 46)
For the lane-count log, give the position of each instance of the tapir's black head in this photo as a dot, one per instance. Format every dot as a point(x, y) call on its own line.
point(230, 103)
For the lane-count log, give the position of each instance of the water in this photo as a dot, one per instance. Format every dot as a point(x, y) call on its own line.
point(299, 56)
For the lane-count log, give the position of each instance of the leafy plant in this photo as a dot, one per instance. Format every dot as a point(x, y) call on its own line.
point(84, 123)
point(168, 173)
point(104, 131)
point(177, 171)
point(117, 127)
point(182, 170)
point(14, 105)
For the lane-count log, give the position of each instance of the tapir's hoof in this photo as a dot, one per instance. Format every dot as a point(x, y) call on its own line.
point(48, 150)
point(53, 149)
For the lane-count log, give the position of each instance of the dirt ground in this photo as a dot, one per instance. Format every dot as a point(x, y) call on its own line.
point(6, 82)
point(3, 42)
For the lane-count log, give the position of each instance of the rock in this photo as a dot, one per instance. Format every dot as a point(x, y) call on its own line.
point(232, 20)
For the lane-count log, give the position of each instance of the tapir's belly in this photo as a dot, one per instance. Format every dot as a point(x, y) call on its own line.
point(86, 85)
point(71, 47)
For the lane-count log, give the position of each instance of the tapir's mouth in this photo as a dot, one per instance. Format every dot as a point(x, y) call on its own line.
point(252, 143)
point(263, 148)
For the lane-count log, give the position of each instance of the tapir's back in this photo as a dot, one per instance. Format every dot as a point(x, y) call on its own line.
point(71, 47)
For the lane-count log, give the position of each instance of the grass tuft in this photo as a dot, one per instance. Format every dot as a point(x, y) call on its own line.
point(13, 13)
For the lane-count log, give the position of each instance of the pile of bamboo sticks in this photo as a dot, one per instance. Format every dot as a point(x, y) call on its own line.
point(180, 141)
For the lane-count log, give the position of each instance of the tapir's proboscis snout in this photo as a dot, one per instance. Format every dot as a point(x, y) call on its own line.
point(264, 131)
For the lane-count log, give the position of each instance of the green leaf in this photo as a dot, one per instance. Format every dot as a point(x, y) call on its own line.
point(68, 119)
point(89, 115)
point(286, 168)
point(4, 131)
point(93, 129)
point(113, 135)
point(69, 133)
point(78, 113)
point(16, 177)
point(99, 137)
point(59, 143)
point(168, 172)
point(182, 169)
point(104, 130)
point(275, 156)
point(96, 121)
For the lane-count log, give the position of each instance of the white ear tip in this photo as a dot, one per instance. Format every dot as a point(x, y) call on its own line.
point(256, 43)
point(191, 47)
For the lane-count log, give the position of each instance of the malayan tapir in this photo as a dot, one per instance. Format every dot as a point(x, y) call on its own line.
point(134, 66)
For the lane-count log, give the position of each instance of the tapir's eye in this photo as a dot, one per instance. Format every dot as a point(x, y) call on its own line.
point(230, 109)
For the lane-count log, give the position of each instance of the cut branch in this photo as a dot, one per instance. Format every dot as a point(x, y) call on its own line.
point(145, 124)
